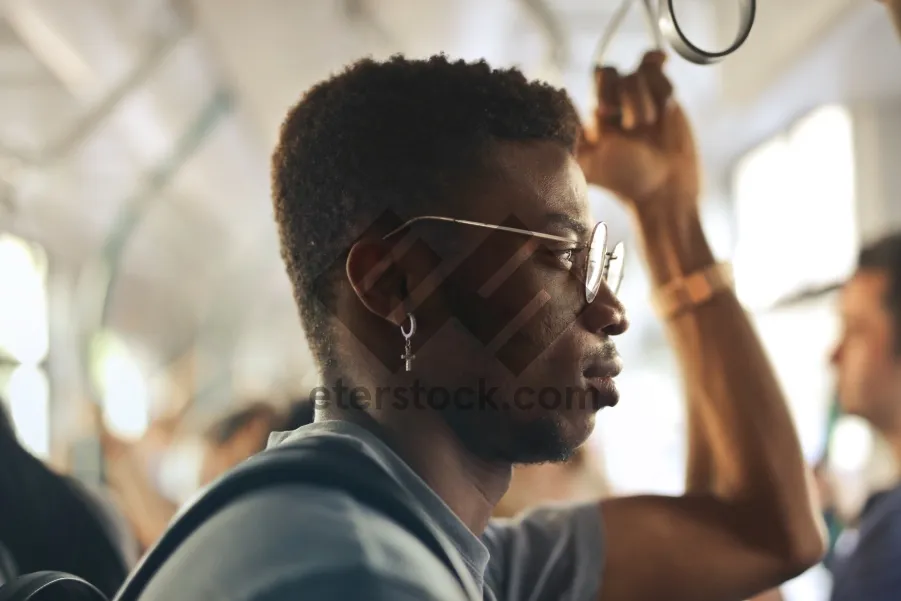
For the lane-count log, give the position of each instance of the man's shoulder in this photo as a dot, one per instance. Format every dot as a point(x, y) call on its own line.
point(292, 536)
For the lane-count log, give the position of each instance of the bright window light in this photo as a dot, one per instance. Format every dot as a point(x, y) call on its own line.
point(644, 436)
point(124, 388)
point(798, 341)
point(852, 444)
point(795, 205)
point(179, 476)
point(28, 394)
point(23, 302)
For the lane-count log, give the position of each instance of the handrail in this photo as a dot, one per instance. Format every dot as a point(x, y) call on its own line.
point(664, 28)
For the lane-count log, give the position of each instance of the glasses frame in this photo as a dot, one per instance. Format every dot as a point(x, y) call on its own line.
point(590, 295)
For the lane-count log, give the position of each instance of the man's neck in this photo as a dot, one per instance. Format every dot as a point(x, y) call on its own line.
point(421, 437)
point(470, 487)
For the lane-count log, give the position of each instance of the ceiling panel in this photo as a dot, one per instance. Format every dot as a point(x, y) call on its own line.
point(34, 105)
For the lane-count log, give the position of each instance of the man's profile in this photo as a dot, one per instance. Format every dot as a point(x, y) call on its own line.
point(435, 226)
point(868, 365)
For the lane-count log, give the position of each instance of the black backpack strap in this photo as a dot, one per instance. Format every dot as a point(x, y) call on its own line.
point(315, 461)
point(50, 586)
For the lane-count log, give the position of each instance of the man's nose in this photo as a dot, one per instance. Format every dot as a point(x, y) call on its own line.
point(606, 314)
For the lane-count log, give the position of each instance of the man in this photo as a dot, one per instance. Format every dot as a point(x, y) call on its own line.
point(400, 310)
point(868, 362)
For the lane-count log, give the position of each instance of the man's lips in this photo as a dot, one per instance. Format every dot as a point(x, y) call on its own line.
point(607, 394)
point(599, 374)
point(603, 368)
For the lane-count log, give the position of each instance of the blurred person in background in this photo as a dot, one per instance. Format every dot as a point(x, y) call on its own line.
point(131, 469)
point(866, 563)
point(245, 433)
point(236, 437)
point(52, 522)
point(437, 137)
point(229, 441)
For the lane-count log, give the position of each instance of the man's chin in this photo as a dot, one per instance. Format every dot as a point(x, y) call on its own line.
point(552, 439)
point(548, 438)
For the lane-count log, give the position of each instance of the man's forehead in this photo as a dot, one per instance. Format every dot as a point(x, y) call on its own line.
point(533, 181)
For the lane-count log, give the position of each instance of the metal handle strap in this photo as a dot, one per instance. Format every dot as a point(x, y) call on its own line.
point(669, 27)
point(664, 27)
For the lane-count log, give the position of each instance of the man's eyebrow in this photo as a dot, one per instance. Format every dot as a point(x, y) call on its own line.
point(568, 222)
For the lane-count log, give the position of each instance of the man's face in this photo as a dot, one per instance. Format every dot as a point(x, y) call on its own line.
point(522, 326)
point(867, 365)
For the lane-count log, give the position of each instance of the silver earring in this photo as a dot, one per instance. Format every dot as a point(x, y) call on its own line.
point(408, 355)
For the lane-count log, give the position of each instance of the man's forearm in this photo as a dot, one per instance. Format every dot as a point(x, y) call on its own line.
point(757, 464)
point(699, 462)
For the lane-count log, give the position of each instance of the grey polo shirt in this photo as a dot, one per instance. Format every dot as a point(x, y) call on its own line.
point(298, 542)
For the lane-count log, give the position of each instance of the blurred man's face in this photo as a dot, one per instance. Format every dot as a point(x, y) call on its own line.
point(867, 364)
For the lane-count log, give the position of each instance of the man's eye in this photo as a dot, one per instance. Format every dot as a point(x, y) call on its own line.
point(566, 255)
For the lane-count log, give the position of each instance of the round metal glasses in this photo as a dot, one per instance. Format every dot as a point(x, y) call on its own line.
point(602, 265)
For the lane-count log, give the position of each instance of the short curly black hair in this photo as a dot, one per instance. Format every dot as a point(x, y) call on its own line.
point(394, 137)
point(885, 255)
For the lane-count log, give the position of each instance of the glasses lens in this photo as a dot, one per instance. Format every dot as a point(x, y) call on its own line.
point(616, 261)
point(597, 255)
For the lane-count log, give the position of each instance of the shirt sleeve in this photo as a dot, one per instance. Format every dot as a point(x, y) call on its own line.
point(294, 543)
point(873, 571)
point(549, 553)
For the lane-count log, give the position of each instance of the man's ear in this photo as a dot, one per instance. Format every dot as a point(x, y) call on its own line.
point(377, 280)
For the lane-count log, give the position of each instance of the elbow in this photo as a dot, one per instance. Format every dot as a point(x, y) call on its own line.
point(804, 546)
point(807, 553)
point(794, 542)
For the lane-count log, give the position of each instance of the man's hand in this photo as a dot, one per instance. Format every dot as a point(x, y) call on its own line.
point(748, 522)
point(641, 146)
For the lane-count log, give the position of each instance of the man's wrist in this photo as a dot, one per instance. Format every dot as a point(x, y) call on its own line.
point(673, 239)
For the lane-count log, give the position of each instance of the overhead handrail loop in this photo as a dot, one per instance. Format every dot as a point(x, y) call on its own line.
point(664, 28)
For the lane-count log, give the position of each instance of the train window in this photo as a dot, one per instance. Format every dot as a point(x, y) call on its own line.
point(27, 393)
point(795, 209)
point(123, 388)
point(24, 341)
point(24, 335)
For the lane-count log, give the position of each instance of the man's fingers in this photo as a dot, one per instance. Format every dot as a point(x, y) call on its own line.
point(655, 58)
point(635, 101)
point(656, 82)
point(630, 101)
point(610, 110)
point(639, 109)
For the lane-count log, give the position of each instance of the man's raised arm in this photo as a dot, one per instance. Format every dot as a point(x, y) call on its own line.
point(752, 523)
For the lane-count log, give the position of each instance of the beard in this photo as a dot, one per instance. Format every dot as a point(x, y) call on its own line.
point(494, 435)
